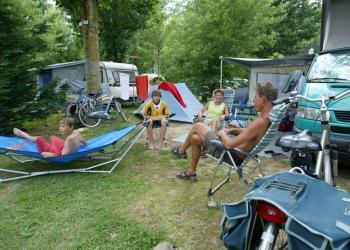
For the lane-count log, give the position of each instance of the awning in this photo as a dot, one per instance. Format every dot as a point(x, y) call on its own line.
point(291, 60)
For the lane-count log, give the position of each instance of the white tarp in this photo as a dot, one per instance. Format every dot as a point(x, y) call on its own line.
point(335, 25)
point(124, 84)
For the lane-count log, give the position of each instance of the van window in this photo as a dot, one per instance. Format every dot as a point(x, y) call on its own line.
point(110, 77)
point(101, 76)
point(131, 75)
point(116, 76)
point(331, 66)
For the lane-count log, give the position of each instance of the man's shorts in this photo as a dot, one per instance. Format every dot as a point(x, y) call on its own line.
point(216, 152)
point(155, 124)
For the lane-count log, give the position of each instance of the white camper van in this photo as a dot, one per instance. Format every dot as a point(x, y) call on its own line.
point(74, 73)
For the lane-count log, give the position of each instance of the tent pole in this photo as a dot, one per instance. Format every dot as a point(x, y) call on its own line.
point(220, 72)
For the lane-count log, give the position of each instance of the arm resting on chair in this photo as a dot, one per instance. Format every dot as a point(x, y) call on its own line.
point(218, 144)
point(246, 136)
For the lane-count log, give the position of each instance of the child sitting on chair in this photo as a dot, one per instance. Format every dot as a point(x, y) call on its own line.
point(156, 112)
point(57, 146)
point(216, 111)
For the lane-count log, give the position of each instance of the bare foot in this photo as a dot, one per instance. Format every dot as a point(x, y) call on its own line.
point(151, 146)
point(20, 133)
point(157, 147)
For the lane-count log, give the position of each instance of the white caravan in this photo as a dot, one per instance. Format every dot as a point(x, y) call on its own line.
point(74, 74)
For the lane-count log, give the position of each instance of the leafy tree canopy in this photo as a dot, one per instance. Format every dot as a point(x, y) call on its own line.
point(298, 30)
point(196, 37)
point(25, 46)
point(118, 21)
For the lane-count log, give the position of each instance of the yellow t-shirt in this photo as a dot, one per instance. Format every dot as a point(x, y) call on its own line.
point(152, 109)
point(214, 111)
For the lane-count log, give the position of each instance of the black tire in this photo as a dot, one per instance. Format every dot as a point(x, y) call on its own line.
point(71, 110)
point(85, 118)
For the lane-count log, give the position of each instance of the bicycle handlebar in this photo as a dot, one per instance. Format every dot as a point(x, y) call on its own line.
point(295, 98)
point(282, 100)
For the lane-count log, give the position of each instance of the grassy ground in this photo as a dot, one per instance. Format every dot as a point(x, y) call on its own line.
point(136, 207)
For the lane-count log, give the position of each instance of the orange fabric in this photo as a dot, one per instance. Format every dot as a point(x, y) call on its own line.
point(142, 87)
point(169, 86)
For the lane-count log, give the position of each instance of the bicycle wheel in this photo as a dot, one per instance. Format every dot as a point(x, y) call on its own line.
point(277, 235)
point(71, 110)
point(85, 117)
point(116, 110)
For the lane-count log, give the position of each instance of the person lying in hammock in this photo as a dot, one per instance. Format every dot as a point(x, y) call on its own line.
point(57, 146)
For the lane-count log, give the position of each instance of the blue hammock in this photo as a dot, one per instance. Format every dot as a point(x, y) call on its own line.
point(28, 148)
point(14, 146)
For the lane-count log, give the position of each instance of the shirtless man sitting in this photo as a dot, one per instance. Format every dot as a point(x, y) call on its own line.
point(57, 146)
point(245, 139)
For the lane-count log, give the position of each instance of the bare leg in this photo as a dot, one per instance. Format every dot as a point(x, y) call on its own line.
point(22, 134)
point(196, 142)
point(162, 133)
point(150, 135)
point(200, 129)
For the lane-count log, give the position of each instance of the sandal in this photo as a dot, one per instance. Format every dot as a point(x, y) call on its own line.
point(176, 151)
point(188, 177)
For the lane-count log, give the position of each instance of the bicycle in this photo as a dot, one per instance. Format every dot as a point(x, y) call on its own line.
point(91, 110)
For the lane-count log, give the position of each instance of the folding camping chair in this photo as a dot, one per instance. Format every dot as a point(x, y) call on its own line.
point(276, 115)
point(240, 115)
point(241, 111)
point(23, 150)
point(156, 130)
point(228, 99)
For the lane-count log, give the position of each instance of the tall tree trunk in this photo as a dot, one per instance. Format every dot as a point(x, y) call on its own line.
point(90, 38)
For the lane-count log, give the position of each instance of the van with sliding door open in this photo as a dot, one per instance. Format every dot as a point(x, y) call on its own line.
point(329, 74)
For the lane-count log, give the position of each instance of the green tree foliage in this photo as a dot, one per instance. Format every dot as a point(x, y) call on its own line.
point(146, 42)
point(21, 45)
point(52, 26)
point(195, 38)
point(298, 30)
point(118, 21)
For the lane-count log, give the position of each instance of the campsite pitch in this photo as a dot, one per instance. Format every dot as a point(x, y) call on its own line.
point(138, 206)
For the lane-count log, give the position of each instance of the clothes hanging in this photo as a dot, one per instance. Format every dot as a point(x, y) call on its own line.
point(124, 86)
point(142, 87)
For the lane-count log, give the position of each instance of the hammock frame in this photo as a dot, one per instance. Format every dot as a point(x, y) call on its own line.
point(111, 158)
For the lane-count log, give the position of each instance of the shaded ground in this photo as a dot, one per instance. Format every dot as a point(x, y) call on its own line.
point(136, 207)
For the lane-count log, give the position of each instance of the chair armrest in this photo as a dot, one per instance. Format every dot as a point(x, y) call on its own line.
point(196, 119)
point(240, 151)
point(146, 123)
point(218, 144)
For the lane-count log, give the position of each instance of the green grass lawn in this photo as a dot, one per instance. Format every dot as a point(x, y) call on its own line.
point(137, 206)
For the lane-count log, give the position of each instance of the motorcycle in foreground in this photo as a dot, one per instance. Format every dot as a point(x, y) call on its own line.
point(300, 209)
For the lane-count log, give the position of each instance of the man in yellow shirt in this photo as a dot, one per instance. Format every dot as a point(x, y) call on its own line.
point(156, 112)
